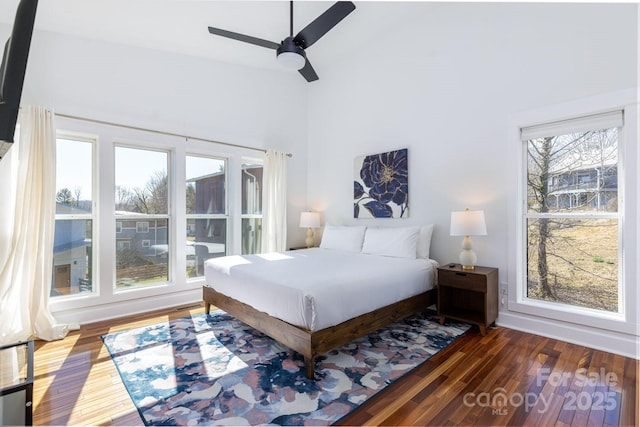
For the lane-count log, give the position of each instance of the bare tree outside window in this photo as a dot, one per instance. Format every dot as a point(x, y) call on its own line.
point(150, 199)
point(571, 219)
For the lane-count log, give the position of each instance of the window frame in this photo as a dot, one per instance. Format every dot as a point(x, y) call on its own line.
point(576, 215)
point(523, 298)
point(140, 218)
point(107, 303)
point(244, 162)
point(95, 252)
point(226, 216)
point(575, 318)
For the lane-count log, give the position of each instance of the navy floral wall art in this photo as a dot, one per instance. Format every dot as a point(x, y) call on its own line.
point(381, 185)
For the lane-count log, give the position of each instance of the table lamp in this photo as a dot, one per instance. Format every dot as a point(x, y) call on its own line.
point(309, 220)
point(468, 223)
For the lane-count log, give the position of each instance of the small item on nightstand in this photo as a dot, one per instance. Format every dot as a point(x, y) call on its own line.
point(451, 265)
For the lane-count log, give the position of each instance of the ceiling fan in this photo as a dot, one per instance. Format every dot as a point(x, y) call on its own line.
point(290, 51)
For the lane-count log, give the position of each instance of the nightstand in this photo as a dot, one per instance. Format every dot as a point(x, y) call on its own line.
point(468, 295)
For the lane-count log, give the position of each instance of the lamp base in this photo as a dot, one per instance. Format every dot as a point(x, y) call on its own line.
point(468, 257)
point(309, 240)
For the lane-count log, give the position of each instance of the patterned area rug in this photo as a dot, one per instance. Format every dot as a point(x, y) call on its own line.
point(217, 370)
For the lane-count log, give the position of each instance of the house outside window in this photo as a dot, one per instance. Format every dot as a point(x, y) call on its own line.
point(73, 260)
point(142, 207)
point(206, 211)
point(572, 221)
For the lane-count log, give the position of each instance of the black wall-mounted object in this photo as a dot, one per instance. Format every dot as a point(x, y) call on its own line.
point(12, 70)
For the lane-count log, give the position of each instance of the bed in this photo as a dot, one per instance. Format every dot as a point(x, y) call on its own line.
point(314, 300)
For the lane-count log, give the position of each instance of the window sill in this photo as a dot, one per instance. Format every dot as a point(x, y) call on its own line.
point(616, 322)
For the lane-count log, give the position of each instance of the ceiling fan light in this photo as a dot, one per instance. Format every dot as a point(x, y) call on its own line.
point(291, 60)
point(290, 55)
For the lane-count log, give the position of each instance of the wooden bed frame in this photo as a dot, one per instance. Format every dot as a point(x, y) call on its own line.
point(313, 343)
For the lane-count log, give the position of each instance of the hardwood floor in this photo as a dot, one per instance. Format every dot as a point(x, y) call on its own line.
point(505, 378)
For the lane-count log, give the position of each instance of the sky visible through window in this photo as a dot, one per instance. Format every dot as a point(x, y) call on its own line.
point(133, 166)
point(201, 166)
point(74, 167)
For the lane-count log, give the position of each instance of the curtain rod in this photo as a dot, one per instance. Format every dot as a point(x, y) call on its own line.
point(186, 137)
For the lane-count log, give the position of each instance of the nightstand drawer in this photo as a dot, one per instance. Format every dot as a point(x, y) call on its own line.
point(463, 280)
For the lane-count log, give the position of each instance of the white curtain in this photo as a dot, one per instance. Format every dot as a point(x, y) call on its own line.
point(25, 271)
point(274, 202)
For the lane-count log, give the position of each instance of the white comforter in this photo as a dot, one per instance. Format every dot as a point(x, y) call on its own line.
point(318, 288)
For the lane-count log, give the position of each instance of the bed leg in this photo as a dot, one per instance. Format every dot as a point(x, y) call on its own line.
point(207, 307)
point(309, 363)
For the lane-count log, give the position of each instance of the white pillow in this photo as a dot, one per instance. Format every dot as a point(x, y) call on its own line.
point(424, 241)
point(343, 237)
point(400, 242)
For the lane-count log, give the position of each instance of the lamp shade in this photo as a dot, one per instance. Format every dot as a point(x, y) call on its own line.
point(468, 223)
point(310, 220)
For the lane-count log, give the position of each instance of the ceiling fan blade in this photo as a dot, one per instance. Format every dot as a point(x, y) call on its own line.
point(323, 23)
point(308, 72)
point(243, 38)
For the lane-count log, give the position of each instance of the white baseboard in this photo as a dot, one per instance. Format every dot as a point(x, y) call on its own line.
point(613, 342)
point(114, 310)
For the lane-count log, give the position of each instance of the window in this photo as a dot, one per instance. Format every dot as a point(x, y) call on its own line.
point(572, 221)
point(141, 204)
point(123, 244)
point(73, 238)
point(159, 224)
point(251, 208)
point(206, 203)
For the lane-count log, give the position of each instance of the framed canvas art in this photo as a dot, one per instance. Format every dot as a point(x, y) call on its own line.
point(381, 185)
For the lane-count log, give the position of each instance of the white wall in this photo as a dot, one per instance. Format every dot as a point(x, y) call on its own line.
point(445, 88)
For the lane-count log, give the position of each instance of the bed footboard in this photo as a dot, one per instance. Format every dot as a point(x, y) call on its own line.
point(311, 344)
point(295, 338)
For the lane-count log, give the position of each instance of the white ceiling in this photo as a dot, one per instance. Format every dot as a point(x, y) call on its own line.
point(181, 25)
